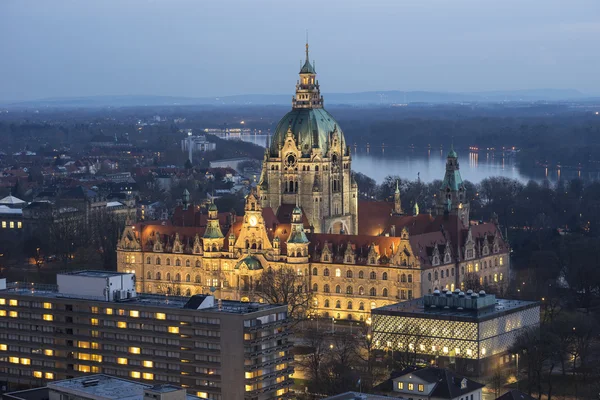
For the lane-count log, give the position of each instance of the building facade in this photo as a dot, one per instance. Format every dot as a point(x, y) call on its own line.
point(95, 322)
point(472, 331)
point(308, 163)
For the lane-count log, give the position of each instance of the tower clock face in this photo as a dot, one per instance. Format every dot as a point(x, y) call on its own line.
point(253, 220)
point(290, 160)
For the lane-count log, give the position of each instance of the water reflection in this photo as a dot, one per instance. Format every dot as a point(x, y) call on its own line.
point(376, 162)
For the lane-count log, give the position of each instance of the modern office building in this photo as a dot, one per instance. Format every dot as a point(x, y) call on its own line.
point(95, 322)
point(101, 387)
point(473, 331)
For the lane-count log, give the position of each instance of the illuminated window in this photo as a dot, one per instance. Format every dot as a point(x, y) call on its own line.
point(108, 311)
point(457, 351)
point(37, 374)
point(83, 345)
point(134, 314)
point(48, 317)
point(495, 277)
point(160, 316)
point(94, 310)
point(469, 352)
point(13, 303)
point(148, 364)
point(83, 368)
point(501, 261)
point(49, 352)
point(248, 388)
point(49, 375)
point(12, 224)
point(147, 375)
point(95, 333)
point(401, 385)
point(2, 302)
point(122, 361)
point(134, 350)
point(19, 224)
point(173, 329)
point(13, 360)
point(48, 306)
point(122, 324)
point(95, 345)
point(135, 374)
point(411, 386)
point(501, 277)
point(2, 313)
point(4, 224)
point(25, 361)
point(445, 349)
point(483, 351)
point(96, 357)
point(421, 387)
point(83, 356)
point(3, 347)
point(94, 321)
point(338, 273)
point(13, 314)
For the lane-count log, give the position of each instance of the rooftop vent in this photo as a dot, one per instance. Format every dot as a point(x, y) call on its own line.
point(90, 382)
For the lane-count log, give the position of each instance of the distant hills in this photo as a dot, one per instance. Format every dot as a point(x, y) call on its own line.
point(362, 98)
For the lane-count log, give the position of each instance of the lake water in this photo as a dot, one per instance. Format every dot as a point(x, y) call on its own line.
point(429, 165)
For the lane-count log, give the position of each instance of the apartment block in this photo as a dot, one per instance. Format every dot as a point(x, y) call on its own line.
point(95, 322)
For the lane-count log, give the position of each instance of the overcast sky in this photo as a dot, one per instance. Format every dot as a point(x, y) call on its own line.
point(196, 48)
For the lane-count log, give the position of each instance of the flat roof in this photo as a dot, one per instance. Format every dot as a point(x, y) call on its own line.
point(142, 299)
point(107, 387)
point(96, 273)
point(416, 308)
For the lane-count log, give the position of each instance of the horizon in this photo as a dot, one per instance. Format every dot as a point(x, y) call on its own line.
point(188, 49)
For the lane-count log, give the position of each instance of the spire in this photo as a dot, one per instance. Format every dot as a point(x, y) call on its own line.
point(397, 201)
point(307, 48)
point(397, 189)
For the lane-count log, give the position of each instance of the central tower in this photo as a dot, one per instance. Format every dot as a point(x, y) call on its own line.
point(309, 164)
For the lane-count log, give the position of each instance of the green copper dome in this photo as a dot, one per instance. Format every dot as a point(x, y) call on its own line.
point(311, 128)
point(251, 263)
point(213, 207)
point(452, 154)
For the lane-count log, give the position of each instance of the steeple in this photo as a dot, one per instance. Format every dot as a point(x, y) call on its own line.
point(416, 209)
point(397, 202)
point(452, 197)
point(307, 88)
point(186, 199)
point(213, 229)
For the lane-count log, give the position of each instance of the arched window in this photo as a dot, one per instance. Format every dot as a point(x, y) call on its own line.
point(187, 263)
point(188, 292)
point(372, 260)
point(348, 258)
point(373, 305)
point(326, 288)
point(338, 304)
point(361, 275)
point(326, 303)
point(178, 278)
point(338, 272)
point(442, 274)
point(188, 278)
point(409, 278)
point(462, 270)
point(147, 260)
point(178, 291)
point(485, 265)
point(149, 276)
point(168, 261)
point(158, 277)
point(169, 276)
point(372, 275)
point(214, 247)
point(403, 278)
point(198, 279)
point(157, 260)
point(326, 257)
point(429, 277)
point(372, 292)
point(338, 289)
point(361, 306)
point(349, 290)
point(315, 288)
point(452, 271)
point(384, 276)
point(385, 292)
point(315, 271)
point(326, 272)
point(361, 291)
point(177, 262)
point(349, 305)
point(348, 274)
point(436, 275)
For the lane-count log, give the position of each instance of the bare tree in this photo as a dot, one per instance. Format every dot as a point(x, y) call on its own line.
point(286, 286)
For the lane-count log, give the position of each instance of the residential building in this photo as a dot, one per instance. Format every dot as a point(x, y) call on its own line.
point(430, 383)
point(471, 331)
point(101, 387)
point(96, 322)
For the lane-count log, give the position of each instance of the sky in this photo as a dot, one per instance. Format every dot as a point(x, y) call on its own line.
point(205, 48)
